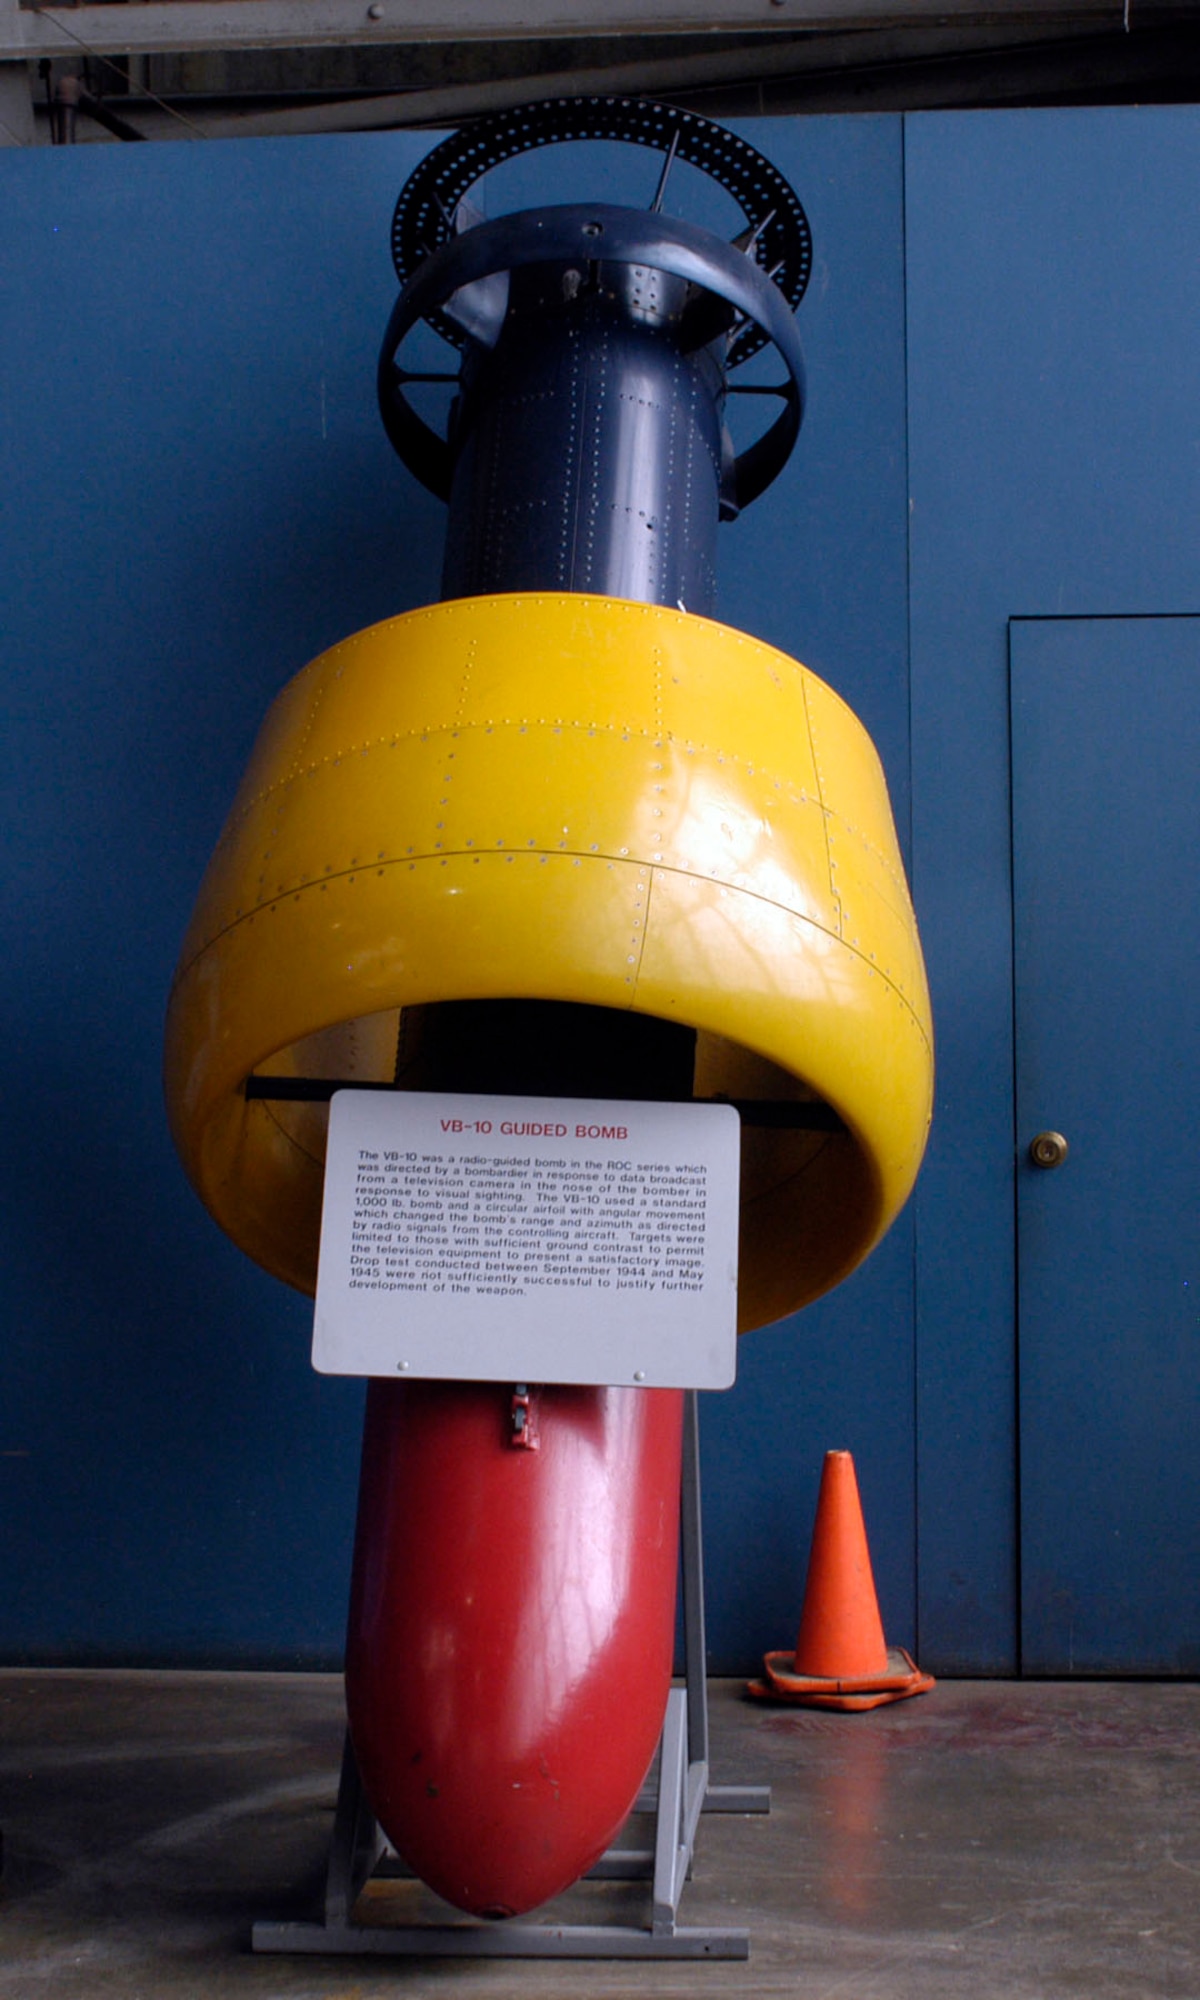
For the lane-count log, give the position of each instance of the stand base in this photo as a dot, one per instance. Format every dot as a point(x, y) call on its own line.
point(359, 1855)
point(502, 1941)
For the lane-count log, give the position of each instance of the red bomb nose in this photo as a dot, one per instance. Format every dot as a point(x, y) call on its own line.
point(511, 1628)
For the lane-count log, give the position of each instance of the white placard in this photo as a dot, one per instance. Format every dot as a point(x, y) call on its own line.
point(521, 1239)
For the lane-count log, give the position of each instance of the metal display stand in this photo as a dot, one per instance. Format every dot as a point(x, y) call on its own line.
point(681, 1792)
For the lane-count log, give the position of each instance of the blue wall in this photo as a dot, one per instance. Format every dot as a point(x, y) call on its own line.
point(1054, 439)
point(198, 497)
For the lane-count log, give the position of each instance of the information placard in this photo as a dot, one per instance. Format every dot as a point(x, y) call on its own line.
point(522, 1239)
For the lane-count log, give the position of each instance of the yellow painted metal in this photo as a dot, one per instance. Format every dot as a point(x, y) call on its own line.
point(559, 797)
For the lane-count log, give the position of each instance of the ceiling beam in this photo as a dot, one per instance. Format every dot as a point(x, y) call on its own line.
point(838, 73)
point(16, 106)
point(125, 27)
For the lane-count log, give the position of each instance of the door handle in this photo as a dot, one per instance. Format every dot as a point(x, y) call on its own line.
point(1049, 1149)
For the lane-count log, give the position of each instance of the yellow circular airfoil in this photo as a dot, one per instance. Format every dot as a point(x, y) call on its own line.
point(566, 798)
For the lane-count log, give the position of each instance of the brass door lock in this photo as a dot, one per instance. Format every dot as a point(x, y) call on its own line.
point(1049, 1149)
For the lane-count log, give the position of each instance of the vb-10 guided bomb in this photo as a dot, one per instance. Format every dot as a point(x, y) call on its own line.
point(559, 834)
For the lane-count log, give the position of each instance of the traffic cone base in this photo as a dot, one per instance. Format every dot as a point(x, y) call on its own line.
point(782, 1683)
point(841, 1659)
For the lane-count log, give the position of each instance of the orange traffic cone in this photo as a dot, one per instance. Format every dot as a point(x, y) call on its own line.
point(841, 1659)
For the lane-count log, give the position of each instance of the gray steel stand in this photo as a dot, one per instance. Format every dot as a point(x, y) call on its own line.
point(677, 1797)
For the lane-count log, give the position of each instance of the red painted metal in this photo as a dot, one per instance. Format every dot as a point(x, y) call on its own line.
point(511, 1630)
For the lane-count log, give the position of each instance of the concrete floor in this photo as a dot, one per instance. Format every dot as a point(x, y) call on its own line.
point(996, 1840)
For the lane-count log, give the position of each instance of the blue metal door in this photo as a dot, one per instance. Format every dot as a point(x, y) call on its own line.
point(1106, 839)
